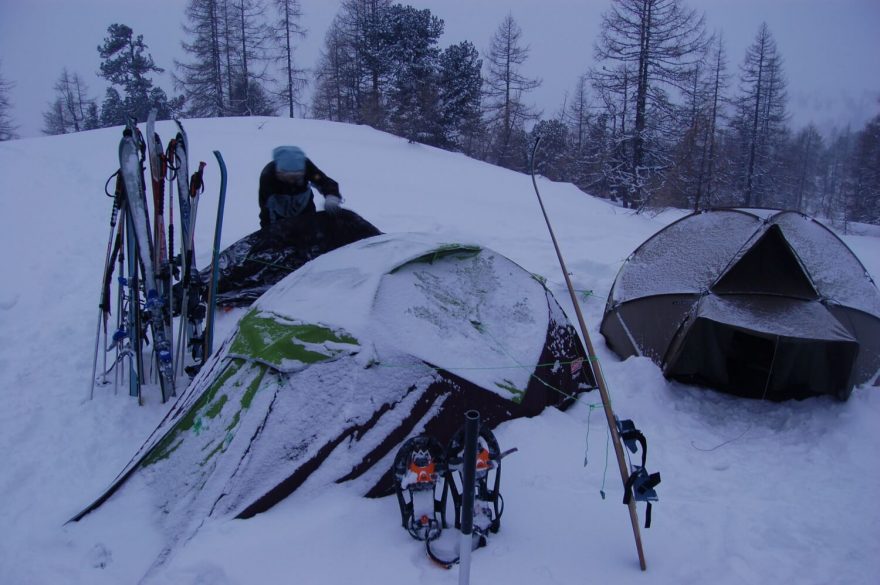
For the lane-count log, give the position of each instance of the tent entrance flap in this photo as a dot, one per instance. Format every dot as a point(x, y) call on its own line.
point(759, 365)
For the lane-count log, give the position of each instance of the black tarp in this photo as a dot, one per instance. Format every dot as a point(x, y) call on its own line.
point(253, 264)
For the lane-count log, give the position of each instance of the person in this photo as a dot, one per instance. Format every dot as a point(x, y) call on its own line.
point(285, 190)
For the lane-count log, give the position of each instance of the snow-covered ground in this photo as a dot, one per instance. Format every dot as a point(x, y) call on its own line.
point(752, 492)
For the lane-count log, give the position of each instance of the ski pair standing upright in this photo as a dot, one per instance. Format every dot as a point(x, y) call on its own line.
point(191, 309)
point(142, 252)
point(145, 294)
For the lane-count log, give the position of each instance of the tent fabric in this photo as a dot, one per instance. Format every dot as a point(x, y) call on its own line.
point(343, 360)
point(256, 262)
point(738, 281)
point(774, 315)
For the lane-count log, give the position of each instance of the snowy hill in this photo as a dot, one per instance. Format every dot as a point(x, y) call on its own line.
point(752, 492)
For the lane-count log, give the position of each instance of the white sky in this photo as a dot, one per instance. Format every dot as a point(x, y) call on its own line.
point(831, 47)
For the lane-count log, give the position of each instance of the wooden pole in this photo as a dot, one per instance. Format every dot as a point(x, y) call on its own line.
point(597, 371)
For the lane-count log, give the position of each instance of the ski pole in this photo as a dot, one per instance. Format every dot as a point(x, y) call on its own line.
point(469, 474)
point(597, 370)
point(114, 214)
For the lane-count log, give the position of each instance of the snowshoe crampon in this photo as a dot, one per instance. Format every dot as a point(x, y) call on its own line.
point(420, 484)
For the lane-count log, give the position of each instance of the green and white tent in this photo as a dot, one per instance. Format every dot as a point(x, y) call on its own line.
point(340, 362)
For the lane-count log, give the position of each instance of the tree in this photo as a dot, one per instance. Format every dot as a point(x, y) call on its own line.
point(652, 47)
point(460, 84)
point(804, 168)
point(553, 157)
point(761, 119)
point(589, 139)
point(410, 40)
point(692, 177)
point(246, 44)
point(614, 167)
point(202, 79)
point(865, 201)
point(506, 113)
point(71, 110)
point(836, 180)
point(7, 128)
point(718, 86)
point(287, 31)
point(354, 69)
point(334, 97)
point(127, 65)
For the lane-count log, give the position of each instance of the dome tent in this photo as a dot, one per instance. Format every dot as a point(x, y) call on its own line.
point(758, 303)
point(342, 361)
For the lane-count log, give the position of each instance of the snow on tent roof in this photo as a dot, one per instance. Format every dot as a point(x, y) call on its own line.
point(387, 298)
point(341, 361)
point(836, 272)
point(775, 316)
point(685, 257)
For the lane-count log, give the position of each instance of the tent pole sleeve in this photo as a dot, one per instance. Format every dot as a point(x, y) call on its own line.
point(597, 370)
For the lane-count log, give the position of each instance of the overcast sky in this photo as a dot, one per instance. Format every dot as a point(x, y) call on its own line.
point(831, 48)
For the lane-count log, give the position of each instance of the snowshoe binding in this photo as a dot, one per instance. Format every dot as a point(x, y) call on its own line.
point(488, 502)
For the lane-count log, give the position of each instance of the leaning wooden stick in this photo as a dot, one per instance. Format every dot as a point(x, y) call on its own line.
point(597, 370)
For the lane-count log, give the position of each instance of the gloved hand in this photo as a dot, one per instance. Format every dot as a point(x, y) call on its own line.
point(331, 203)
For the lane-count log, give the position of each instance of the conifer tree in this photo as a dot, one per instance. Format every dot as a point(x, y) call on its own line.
point(460, 85)
point(7, 128)
point(127, 65)
point(410, 43)
point(760, 121)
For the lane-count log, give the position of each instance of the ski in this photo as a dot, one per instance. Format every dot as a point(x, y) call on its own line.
point(215, 260)
point(192, 312)
point(139, 222)
point(160, 246)
point(129, 335)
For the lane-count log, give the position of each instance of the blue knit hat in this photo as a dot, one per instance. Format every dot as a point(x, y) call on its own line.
point(289, 159)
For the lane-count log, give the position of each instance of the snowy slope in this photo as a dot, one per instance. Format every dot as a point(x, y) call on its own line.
point(752, 492)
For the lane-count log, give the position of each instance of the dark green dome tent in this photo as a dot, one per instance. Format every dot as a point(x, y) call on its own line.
point(757, 303)
point(331, 370)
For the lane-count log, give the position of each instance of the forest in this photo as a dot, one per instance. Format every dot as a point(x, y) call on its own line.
point(664, 117)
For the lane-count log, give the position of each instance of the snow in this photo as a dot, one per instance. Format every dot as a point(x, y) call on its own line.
point(752, 492)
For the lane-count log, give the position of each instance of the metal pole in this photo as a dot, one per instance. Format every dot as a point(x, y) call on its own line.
point(597, 370)
point(469, 480)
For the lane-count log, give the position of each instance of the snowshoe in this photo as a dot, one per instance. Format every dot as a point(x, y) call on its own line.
point(488, 503)
point(419, 473)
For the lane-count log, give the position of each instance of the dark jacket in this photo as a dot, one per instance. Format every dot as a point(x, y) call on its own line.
point(273, 188)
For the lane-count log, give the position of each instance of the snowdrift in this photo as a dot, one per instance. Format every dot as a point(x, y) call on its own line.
point(339, 363)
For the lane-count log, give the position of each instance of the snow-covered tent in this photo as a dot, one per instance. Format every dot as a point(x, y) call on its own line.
point(340, 362)
point(757, 303)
